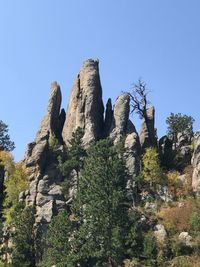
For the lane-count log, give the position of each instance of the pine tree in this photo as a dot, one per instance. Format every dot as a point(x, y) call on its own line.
point(57, 243)
point(75, 155)
point(99, 208)
point(23, 237)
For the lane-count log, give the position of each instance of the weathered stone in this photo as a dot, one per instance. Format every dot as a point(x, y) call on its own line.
point(162, 192)
point(185, 238)
point(132, 153)
point(41, 200)
point(184, 139)
point(108, 117)
point(150, 206)
point(148, 132)
point(196, 163)
point(85, 108)
point(50, 122)
point(43, 186)
point(120, 118)
point(56, 190)
point(45, 213)
point(160, 233)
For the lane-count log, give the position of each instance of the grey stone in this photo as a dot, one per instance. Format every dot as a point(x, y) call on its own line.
point(56, 190)
point(185, 238)
point(85, 108)
point(50, 122)
point(160, 233)
point(150, 206)
point(120, 118)
point(148, 132)
point(41, 199)
point(45, 213)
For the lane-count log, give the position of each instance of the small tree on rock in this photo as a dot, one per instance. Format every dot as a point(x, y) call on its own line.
point(140, 105)
point(152, 172)
point(179, 123)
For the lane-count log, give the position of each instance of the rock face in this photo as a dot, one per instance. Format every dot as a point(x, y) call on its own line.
point(50, 123)
point(120, 120)
point(196, 163)
point(44, 189)
point(148, 133)
point(85, 108)
point(118, 126)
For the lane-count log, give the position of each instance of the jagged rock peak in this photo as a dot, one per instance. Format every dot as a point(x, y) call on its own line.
point(50, 122)
point(85, 107)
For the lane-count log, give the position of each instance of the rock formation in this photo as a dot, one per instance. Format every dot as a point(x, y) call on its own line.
point(85, 108)
point(196, 163)
point(148, 132)
point(118, 126)
point(44, 188)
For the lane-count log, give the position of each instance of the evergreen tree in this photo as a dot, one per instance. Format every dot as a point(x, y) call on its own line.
point(5, 143)
point(57, 243)
point(75, 155)
point(23, 237)
point(99, 208)
point(179, 123)
point(150, 249)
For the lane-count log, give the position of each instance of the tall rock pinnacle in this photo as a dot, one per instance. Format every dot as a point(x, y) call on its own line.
point(50, 122)
point(148, 132)
point(85, 108)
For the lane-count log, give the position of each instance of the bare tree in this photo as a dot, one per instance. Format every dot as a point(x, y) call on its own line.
point(138, 97)
point(139, 104)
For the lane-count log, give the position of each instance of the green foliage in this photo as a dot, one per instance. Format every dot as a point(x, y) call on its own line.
point(53, 143)
point(179, 248)
point(152, 172)
point(57, 242)
point(23, 237)
point(99, 208)
point(5, 143)
point(150, 249)
point(195, 221)
point(75, 155)
point(179, 123)
point(134, 237)
point(15, 183)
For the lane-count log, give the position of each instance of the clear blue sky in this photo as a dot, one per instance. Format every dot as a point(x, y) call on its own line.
point(46, 40)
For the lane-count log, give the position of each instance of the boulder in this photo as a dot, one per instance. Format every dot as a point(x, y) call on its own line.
point(185, 238)
point(85, 108)
point(160, 233)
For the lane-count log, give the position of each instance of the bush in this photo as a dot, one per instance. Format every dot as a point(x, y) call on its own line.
point(150, 249)
point(152, 172)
